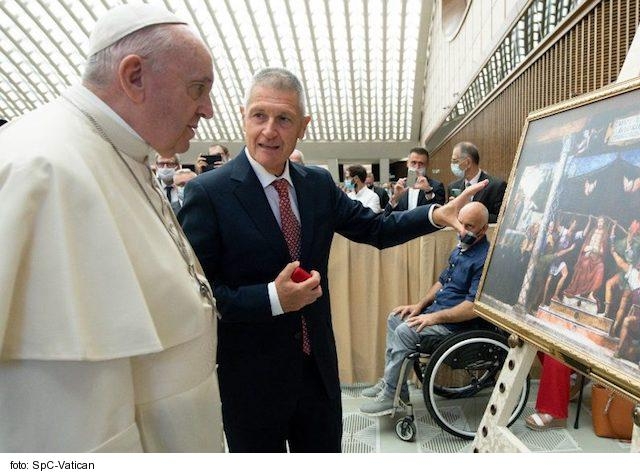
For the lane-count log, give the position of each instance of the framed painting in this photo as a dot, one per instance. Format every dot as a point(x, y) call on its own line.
point(564, 269)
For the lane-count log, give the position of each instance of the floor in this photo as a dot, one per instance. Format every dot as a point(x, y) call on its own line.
point(363, 434)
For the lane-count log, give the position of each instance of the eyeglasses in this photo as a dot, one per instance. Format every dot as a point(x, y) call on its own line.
point(166, 165)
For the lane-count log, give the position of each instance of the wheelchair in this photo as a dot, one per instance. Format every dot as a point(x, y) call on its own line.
point(458, 373)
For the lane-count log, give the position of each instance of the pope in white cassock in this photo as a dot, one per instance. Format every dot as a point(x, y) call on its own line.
point(107, 325)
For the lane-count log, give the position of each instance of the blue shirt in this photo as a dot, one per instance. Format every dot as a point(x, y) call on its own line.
point(460, 280)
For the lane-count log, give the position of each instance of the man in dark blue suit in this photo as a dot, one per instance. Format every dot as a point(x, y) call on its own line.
point(277, 362)
point(465, 164)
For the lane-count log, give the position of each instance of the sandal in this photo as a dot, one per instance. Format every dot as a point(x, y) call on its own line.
point(574, 391)
point(541, 422)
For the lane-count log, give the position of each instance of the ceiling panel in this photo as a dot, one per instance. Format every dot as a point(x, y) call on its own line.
point(359, 60)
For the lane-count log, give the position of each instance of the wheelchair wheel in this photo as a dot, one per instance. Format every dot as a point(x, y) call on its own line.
point(406, 429)
point(459, 380)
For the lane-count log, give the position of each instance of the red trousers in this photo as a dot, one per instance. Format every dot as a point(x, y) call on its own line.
point(553, 394)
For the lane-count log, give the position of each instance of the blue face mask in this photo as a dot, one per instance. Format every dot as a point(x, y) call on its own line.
point(455, 169)
point(349, 185)
point(181, 193)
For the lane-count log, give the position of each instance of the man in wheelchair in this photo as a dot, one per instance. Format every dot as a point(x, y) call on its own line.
point(446, 308)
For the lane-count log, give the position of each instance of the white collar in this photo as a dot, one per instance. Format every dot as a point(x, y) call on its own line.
point(119, 132)
point(363, 191)
point(264, 176)
point(475, 178)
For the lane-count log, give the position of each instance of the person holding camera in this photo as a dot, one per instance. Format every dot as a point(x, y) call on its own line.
point(218, 155)
point(416, 189)
point(446, 308)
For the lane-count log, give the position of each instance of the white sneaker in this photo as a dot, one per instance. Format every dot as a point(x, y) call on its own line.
point(373, 390)
point(380, 406)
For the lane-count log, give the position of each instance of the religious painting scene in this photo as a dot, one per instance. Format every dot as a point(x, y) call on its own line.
point(567, 251)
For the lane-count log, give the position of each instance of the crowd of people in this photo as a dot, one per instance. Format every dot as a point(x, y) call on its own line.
point(120, 351)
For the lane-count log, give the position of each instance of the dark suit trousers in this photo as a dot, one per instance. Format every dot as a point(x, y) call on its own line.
point(309, 420)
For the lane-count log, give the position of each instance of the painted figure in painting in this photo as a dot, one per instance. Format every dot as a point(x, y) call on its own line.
point(627, 250)
point(588, 273)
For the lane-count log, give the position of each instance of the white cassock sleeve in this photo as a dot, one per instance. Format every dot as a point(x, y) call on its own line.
point(167, 402)
point(87, 362)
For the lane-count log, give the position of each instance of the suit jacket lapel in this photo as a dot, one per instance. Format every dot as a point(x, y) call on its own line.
point(403, 203)
point(480, 195)
point(422, 198)
point(305, 195)
point(254, 202)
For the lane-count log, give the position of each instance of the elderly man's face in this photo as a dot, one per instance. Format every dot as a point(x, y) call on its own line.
point(179, 87)
point(273, 123)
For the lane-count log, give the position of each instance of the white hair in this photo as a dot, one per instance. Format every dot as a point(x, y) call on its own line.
point(279, 79)
point(151, 42)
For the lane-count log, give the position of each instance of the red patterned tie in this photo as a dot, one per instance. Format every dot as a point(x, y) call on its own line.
point(291, 231)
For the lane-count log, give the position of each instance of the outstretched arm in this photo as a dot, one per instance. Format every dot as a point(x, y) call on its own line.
point(447, 215)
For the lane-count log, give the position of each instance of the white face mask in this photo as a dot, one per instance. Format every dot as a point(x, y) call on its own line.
point(455, 169)
point(166, 174)
point(419, 171)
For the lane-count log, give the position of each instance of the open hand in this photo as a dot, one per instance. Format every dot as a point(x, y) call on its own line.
point(447, 215)
point(404, 311)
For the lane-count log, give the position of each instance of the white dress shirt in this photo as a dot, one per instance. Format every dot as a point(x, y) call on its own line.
point(266, 179)
point(368, 198)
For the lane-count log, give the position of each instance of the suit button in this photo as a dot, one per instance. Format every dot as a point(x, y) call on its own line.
point(298, 336)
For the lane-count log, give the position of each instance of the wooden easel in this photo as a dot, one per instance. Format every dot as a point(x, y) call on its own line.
point(493, 434)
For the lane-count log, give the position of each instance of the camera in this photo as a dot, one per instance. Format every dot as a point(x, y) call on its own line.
point(212, 159)
point(412, 177)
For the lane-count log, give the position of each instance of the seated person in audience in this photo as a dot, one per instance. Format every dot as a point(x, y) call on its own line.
point(465, 164)
point(446, 308)
point(361, 192)
point(424, 191)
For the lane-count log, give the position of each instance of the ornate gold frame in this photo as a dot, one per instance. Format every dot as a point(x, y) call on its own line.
point(595, 118)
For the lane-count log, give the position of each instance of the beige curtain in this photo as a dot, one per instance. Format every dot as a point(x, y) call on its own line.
point(366, 284)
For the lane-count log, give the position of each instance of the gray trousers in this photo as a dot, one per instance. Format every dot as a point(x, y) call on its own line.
point(402, 341)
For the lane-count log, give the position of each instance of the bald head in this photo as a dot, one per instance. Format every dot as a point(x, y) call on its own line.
point(475, 218)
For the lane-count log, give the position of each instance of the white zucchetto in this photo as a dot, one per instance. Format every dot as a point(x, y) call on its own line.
point(124, 20)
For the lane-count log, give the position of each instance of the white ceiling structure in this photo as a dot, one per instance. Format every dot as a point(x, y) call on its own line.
point(362, 62)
